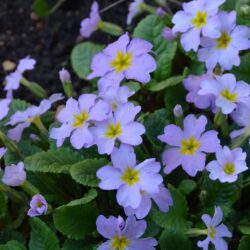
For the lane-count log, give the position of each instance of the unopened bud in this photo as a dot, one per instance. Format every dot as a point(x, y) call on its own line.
point(65, 78)
point(168, 34)
point(64, 75)
point(178, 112)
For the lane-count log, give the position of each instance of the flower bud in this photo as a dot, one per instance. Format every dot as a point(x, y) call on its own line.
point(178, 112)
point(64, 75)
point(168, 34)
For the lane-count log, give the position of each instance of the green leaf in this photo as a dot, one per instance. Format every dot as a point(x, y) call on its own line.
point(244, 243)
point(84, 172)
point(150, 29)
point(242, 72)
point(187, 186)
point(244, 229)
point(133, 86)
point(53, 161)
point(42, 237)
point(13, 245)
point(41, 7)
point(3, 205)
point(75, 221)
point(81, 58)
point(175, 218)
point(78, 245)
point(91, 195)
point(170, 240)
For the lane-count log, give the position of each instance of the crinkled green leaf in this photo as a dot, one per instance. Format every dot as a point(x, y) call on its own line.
point(88, 197)
point(42, 237)
point(244, 243)
point(13, 245)
point(81, 57)
point(84, 172)
point(187, 186)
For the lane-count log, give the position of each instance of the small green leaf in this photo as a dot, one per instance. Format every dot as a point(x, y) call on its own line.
point(75, 221)
point(187, 186)
point(133, 86)
point(42, 237)
point(242, 72)
point(244, 243)
point(81, 58)
point(244, 229)
point(84, 172)
point(41, 7)
point(13, 245)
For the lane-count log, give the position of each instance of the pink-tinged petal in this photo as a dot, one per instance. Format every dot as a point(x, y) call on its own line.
point(138, 47)
point(218, 216)
point(145, 244)
point(204, 244)
point(206, 219)
point(134, 228)
point(220, 244)
point(141, 68)
point(222, 231)
point(123, 157)
point(229, 58)
point(110, 178)
point(194, 163)
point(16, 133)
point(86, 101)
point(60, 134)
point(99, 111)
point(172, 135)
point(131, 133)
point(226, 106)
point(171, 159)
point(82, 137)
point(182, 22)
point(129, 196)
point(126, 113)
point(191, 40)
point(210, 142)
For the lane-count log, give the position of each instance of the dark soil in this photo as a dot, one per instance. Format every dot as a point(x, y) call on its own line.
point(49, 40)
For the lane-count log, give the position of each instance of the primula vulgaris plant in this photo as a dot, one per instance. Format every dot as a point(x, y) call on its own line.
point(156, 143)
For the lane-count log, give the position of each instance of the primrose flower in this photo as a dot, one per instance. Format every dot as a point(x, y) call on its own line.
point(13, 79)
point(225, 49)
point(130, 180)
point(119, 126)
point(163, 199)
point(134, 9)
point(38, 206)
point(227, 92)
point(23, 119)
point(193, 85)
point(197, 18)
point(228, 164)
point(90, 24)
point(188, 145)
point(14, 175)
point(216, 231)
point(4, 108)
point(115, 97)
point(168, 34)
point(76, 119)
point(2, 152)
point(124, 59)
point(123, 234)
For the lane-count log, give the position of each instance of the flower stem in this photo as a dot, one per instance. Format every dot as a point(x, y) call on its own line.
point(14, 195)
point(110, 28)
point(111, 6)
point(195, 232)
point(148, 8)
point(220, 121)
point(29, 188)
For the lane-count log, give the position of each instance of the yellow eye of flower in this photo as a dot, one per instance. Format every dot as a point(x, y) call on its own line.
point(119, 243)
point(131, 176)
point(212, 232)
point(223, 41)
point(113, 130)
point(80, 119)
point(190, 146)
point(232, 97)
point(200, 19)
point(229, 168)
point(122, 61)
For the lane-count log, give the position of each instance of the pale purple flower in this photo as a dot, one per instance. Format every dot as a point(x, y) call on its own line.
point(160, 12)
point(130, 180)
point(228, 164)
point(168, 34)
point(64, 75)
point(76, 118)
point(90, 24)
point(23, 119)
point(119, 126)
point(13, 79)
point(14, 175)
point(2, 152)
point(178, 111)
point(123, 234)
point(188, 145)
point(115, 97)
point(163, 199)
point(198, 18)
point(225, 49)
point(124, 59)
point(134, 9)
point(193, 85)
point(216, 231)
point(4, 108)
point(38, 206)
point(227, 91)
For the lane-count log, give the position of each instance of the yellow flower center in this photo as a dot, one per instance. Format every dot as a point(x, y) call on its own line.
point(119, 242)
point(229, 168)
point(232, 97)
point(80, 119)
point(200, 19)
point(131, 176)
point(223, 41)
point(122, 61)
point(212, 232)
point(39, 204)
point(114, 106)
point(113, 130)
point(190, 146)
